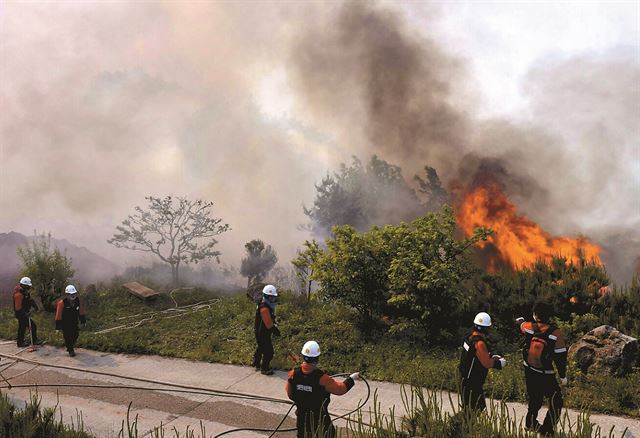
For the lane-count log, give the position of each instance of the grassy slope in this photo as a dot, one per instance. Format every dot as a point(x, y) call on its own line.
point(224, 333)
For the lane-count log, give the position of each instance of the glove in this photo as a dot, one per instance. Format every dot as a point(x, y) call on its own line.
point(355, 376)
point(519, 320)
point(275, 330)
point(500, 360)
point(563, 381)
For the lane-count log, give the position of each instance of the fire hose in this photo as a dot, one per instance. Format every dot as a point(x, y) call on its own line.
point(172, 312)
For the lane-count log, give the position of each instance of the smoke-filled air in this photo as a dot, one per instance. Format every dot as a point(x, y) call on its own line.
point(533, 130)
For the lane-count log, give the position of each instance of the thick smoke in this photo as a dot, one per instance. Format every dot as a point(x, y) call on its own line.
point(567, 164)
point(103, 104)
point(384, 87)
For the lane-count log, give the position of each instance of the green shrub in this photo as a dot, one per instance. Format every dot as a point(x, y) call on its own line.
point(48, 268)
point(620, 308)
point(578, 325)
point(34, 421)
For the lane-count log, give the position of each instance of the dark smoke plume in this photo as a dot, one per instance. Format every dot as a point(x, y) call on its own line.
point(366, 69)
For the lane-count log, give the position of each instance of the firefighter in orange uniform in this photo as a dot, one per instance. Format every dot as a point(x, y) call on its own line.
point(265, 326)
point(68, 312)
point(310, 389)
point(544, 345)
point(22, 305)
point(475, 362)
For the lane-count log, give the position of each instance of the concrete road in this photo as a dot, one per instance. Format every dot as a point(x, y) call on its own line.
point(102, 411)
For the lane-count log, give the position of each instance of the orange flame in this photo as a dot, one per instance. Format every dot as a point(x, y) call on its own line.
point(518, 240)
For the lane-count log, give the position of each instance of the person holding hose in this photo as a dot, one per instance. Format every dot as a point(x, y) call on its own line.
point(22, 305)
point(68, 312)
point(265, 326)
point(544, 345)
point(475, 362)
point(310, 388)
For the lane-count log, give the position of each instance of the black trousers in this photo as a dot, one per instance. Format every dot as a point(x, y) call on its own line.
point(264, 351)
point(539, 387)
point(23, 322)
point(70, 337)
point(313, 424)
point(473, 396)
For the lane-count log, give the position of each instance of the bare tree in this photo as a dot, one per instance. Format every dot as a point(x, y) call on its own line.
point(177, 232)
point(258, 262)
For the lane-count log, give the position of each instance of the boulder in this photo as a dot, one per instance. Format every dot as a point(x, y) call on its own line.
point(605, 350)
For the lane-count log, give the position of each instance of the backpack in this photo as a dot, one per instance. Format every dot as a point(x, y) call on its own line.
point(538, 347)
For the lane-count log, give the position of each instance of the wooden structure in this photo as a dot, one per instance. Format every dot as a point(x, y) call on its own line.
point(141, 291)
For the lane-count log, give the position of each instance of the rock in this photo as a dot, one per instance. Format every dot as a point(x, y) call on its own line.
point(605, 350)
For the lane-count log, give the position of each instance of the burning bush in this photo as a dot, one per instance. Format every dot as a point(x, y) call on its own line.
point(518, 241)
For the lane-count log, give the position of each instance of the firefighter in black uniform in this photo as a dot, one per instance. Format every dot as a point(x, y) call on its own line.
point(265, 326)
point(68, 312)
point(310, 389)
point(544, 345)
point(475, 362)
point(22, 305)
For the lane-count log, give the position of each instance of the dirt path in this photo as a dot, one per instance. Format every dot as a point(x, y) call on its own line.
point(103, 410)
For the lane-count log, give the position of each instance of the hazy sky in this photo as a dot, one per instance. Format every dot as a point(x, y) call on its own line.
point(106, 102)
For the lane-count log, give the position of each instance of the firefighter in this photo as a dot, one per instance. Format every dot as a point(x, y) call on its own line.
point(544, 345)
point(310, 389)
point(68, 312)
point(475, 362)
point(22, 305)
point(265, 326)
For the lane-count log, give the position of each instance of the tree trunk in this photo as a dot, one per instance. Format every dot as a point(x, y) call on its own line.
point(174, 274)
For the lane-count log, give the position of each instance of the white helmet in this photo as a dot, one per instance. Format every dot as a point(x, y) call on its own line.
point(311, 349)
point(482, 319)
point(25, 281)
point(70, 290)
point(270, 290)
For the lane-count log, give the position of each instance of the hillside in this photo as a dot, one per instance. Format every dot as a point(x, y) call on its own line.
point(90, 267)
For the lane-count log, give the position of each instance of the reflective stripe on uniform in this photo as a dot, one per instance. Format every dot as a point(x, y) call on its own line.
point(529, 331)
point(559, 350)
point(552, 337)
point(538, 370)
point(466, 346)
